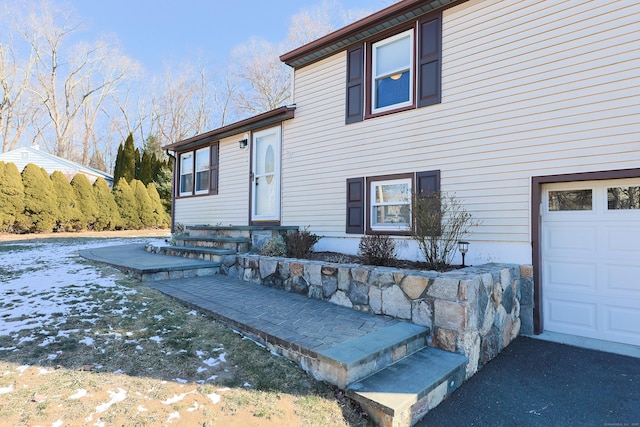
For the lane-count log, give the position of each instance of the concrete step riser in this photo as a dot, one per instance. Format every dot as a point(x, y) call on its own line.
point(224, 232)
point(349, 362)
point(341, 374)
point(403, 393)
point(176, 274)
point(192, 255)
point(238, 247)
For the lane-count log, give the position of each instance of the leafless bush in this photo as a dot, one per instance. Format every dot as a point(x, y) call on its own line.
point(377, 250)
point(440, 222)
point(299, 243)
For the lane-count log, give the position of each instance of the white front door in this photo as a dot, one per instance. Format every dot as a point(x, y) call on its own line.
point(591, 259)
point(265, 175)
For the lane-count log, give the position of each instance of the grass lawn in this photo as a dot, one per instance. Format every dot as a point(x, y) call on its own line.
point(82, 344)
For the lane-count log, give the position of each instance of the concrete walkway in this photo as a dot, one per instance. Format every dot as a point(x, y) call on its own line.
point(531, 383)
point(308, 323)
point(134, 257)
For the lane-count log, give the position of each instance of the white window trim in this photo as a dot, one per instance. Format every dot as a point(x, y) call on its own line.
point(182, 173)
point(374, 75)
point(387, 226)
point(196, 170)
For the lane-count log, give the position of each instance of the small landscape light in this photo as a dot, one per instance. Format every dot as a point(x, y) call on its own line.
point(463, 247)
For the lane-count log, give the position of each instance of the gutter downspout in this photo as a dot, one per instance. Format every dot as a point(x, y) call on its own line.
point(171, 154)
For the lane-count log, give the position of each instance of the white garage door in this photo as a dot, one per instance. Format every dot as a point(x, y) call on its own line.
point(591, 259)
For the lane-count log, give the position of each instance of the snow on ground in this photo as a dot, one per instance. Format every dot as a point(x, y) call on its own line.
point(42, 279)
point(42, 284)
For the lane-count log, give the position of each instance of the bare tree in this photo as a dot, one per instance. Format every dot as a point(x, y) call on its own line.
point(70, 81)
point(316, 21)
point(224, 87)
point(16, 109)
point(264, 82)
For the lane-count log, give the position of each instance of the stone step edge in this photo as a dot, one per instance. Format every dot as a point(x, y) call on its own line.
point(360, 357)
point(198, 250)
point(214, 239)
point(404, 392)
point(243, 227)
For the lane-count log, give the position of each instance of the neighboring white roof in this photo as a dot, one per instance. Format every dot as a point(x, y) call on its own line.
point(24, 155)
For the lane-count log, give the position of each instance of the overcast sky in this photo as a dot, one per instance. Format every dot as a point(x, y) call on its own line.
point(157, 31)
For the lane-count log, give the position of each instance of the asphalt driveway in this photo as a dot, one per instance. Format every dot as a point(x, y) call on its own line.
point(540, 383)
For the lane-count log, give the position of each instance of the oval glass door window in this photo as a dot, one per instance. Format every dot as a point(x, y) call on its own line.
point(269, 164)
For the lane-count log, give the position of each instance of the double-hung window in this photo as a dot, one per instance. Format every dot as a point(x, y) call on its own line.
point(202, 170)
point(198, 170)
point(390, 204)
point(392, 72)
point(186, 174)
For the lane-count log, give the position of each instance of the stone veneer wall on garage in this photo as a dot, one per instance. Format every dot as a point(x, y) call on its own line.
point(475, 311)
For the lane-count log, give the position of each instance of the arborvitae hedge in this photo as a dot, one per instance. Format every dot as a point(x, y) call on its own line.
point(40, 206)
point(161, 218)
point(144, 205)
point(33, 202)
point(86, 200)
point(11, 197)
point(127, 206)
point(108, 215)
point(70, 217)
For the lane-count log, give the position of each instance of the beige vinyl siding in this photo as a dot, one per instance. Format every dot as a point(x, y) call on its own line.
point(528, 88)
point(231, 204)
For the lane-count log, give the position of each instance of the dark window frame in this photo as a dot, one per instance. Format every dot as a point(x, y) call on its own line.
point(358, 199)
point(214, 166)
point(426, 70)
point(368, 213)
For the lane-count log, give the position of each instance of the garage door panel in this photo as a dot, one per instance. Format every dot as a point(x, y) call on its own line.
point(571, 316)
point(623, 241)
point(623, 323)
point(570, 274)
point(622, 278)
point(578, 240)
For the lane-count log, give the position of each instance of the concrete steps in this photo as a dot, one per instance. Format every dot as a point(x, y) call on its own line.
point(237, 244)
point(388, 370)
point(401, 394)
point(194, 252)
point(360, 357)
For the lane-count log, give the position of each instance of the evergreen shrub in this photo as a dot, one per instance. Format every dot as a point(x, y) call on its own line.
point(86, 199)
point(108, 214)
point(40, 205)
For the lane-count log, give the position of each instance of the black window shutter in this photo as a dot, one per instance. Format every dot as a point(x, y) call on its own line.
point(427, 183)
point(215, 167)
point(429, 61)
point(355, 205)
point(355, 85)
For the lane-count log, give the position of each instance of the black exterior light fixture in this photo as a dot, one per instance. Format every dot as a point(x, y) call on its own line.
point(463, 247)
point(244, 142)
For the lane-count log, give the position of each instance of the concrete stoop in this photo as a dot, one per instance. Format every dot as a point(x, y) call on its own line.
point(401, 394)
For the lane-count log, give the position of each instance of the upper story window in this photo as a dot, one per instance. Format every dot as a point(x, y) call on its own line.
point(199, 171)
point(392, 72)
point(402, 71)
point(186, 174)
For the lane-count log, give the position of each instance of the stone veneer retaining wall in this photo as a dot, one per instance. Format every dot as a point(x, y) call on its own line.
point(475, 311)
